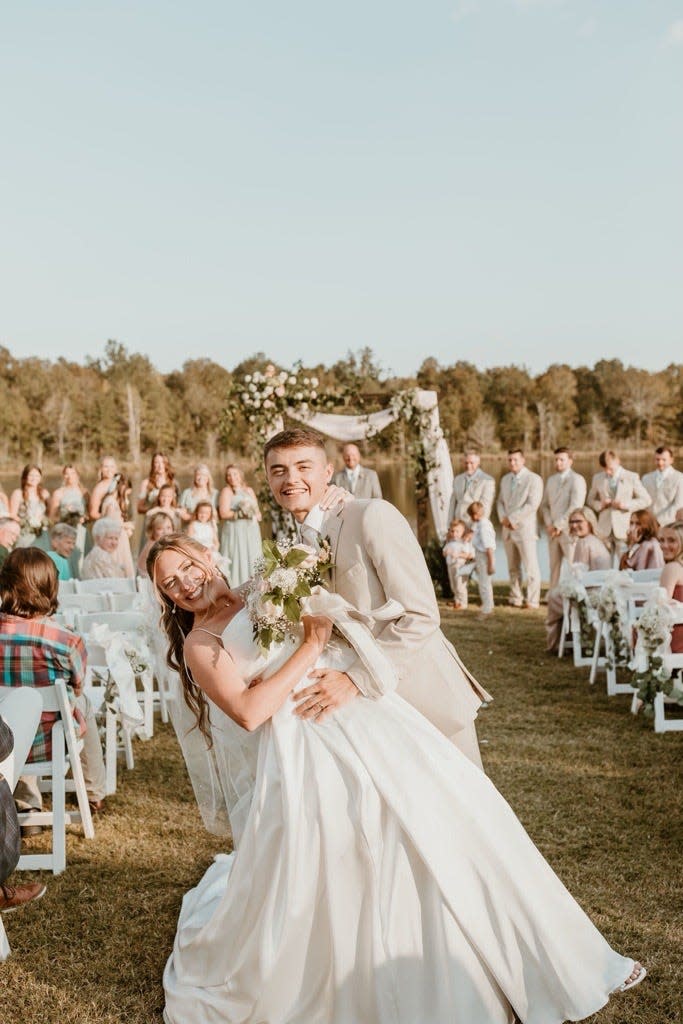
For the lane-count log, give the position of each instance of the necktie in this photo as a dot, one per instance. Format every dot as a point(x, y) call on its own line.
point(310, 536)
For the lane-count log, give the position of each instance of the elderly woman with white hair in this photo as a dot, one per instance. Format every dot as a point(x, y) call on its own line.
point(102, 561)
point(586, 549)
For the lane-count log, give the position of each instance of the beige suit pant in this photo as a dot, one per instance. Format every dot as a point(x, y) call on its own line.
point(484, 581)
point(466, 742)
point(27, 795)
point(522, 553)
point(458, 583)
point(557, 550)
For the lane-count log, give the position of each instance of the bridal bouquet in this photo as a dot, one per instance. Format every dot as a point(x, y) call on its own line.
point(244, 507)
point(283, 577)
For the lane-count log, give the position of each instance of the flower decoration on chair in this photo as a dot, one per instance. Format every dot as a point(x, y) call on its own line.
point(574, 591)
point(283, 577)
point(652, 674)
point(610, 606)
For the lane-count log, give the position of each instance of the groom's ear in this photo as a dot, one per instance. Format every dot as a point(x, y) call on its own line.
point(329, 470)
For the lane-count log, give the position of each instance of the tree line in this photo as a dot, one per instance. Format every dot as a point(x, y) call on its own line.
point(61, 411)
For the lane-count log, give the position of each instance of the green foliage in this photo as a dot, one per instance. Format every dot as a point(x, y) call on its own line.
point(119, 402)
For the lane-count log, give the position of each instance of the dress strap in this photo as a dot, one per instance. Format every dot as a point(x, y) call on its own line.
point(201, 629)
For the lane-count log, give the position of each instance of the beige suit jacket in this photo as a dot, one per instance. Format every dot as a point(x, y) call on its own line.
point(367, 484)
point(519, 504)
point(482, 488)
point(629, 492)
point(376, 557)
point(667, 498)
point(561, 495)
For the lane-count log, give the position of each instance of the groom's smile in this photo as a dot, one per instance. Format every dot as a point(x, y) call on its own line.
point(298, 478)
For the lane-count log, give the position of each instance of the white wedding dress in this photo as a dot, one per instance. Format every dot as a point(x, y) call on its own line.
point(378, 878)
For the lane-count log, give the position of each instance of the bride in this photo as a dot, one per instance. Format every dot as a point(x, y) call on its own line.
point(378, 876)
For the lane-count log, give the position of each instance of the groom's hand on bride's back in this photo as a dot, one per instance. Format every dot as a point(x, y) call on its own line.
point(329, 691)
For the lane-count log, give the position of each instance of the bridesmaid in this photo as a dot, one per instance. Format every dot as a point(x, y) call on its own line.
point(116, 506)
point(202, 489)
point(240, 536)
point(106, 484)
point(161, 474)
point(28, 504)
point(69, 504)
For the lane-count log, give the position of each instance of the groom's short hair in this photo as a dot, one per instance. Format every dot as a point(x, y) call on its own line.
point(297, 437)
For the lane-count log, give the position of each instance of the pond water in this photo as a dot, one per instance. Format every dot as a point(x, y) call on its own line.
point(399, 487)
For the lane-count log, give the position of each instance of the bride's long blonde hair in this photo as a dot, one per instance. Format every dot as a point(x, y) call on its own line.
point(178, 622)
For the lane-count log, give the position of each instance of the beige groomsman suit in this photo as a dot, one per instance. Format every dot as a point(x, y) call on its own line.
point(466, 489)
point(377, 557)
point(519, 498)
point(666, 491)
point(363, 483)
point(563, 492)
point(626, 488)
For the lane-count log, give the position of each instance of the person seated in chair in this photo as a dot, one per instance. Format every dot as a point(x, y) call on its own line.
point(15, 706)
point(62, 544)
point(35, 651)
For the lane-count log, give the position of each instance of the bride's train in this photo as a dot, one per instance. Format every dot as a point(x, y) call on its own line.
point(379, 878)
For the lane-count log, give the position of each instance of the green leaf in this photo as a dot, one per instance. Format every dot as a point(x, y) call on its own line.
point(292, 609)
point(294, 557)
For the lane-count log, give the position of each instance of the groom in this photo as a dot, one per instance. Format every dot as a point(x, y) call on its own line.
point(376, 557)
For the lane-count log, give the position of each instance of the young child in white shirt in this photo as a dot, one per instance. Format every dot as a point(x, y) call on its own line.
point(457, 551)
point(484, 544)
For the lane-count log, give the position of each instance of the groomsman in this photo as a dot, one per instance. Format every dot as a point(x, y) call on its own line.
point(362, 482)
point(518, 502)
point(564, 490)
point(665, 487)
point(616, 492)
point(472, 485)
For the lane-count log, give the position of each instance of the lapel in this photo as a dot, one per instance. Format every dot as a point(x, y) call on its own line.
point(331, 528)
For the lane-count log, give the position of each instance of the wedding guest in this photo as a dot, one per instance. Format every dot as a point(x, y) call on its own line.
point(9, 535)
point(240, 533)
point(564, 490)
point(20, 707)
point(167, 502)
point(615, 492)
point(28, 505)
point(156, 526)
point(69, 503)
point(471, 485)
point(160, 474)
point(518, 502)
point(202, 526)
point(484, 544)
point(62, 545)
point(202, 489)
point(4, 503)
point(665, 486)
point(586, 549)
point(644, 550)
point(116, 505)
point(361, 481)
point(101, 562)
point(35, 651)
point(457, 553)
point(671, 580)
point(106, 483)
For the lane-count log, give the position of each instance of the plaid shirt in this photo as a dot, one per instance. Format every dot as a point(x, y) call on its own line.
point(36, 652)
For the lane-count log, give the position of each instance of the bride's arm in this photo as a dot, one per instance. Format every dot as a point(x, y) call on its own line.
point(214, 671)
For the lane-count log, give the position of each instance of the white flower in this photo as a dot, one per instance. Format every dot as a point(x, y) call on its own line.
point(268, 391)
point(314, 382)
point(285, 579)
point(258, 377)
point(282, 376)
point(311, 555)
point(267, 610)
point(257, 403)
point(252, 388)
point(245, 396)
point(247, 379)
point(280, 392)
point(291, 379)
point(307, 380)
point(298, 397)
point(267, 404)
point(314, 394)
point(252, 418)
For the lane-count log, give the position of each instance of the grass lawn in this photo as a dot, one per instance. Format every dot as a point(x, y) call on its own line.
point(597, 790)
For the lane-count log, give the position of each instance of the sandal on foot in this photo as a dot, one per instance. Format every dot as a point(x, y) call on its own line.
point(625, 985)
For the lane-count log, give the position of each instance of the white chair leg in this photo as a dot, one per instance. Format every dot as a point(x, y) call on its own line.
point(660, 724)
point(111, 751)
point(4, 943)
point(635, 703)
point(58, 801)
point(82, 796)
point(596, 654)
point(127, 747)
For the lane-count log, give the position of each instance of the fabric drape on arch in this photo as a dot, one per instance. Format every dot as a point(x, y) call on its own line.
point(359, 428)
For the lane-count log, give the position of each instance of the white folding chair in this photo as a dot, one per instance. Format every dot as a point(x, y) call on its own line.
point(66, 587)
point(107, 585)
point(84, 602)
point(52, 778)
point(97, 677)
point(129, 624)
point(124, 602)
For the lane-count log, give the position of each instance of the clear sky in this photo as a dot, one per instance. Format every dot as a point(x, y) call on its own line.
point(497, 180)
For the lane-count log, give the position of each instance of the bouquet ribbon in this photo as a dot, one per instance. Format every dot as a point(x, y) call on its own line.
point(356, 627)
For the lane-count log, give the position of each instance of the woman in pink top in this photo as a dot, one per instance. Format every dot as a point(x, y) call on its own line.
point(644, 550)
point(672, 574)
